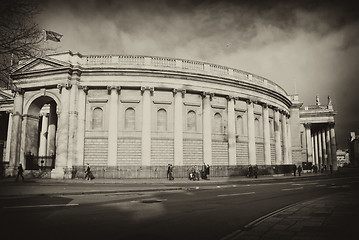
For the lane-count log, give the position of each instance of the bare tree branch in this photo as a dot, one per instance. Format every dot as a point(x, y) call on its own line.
point(20, 36)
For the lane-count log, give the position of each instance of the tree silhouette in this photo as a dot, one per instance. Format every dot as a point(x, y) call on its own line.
point(20, 36)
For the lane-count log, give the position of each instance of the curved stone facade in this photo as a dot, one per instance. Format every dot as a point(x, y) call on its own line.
point(130, 116)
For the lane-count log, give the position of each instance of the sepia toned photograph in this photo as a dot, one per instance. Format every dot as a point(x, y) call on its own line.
point(163, 119)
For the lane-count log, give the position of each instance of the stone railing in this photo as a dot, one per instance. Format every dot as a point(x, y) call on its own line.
point(180, 64)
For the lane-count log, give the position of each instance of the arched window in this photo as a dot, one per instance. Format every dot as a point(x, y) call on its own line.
point(130, 119)
point(257, 127)
point(97, 118)
point(239, 125)
point(218, 123)
point(161, 120)
point(191, 121)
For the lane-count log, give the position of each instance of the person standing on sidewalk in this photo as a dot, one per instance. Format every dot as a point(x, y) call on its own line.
point(255, 171)
point(294, 169)
point(299, 170)
point(20, 171)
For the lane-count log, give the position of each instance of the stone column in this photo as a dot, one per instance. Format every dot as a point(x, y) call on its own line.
point(266, 135)
point(278, 148)
point(81, 120)
point(43, 135)
point(146, 126)
point(313, 152)
point(62, 134)
point(316, 158)
point(285, 138)
point(16, 129)
point(308, 135)
point(207, 128)
point(251, 134)
point(289, 142)
point(73, 113)
point(324, 144)
point(8, 140)
point(329, 148)
point(178, 126)
point(320, 153)
point(112, 126)
point(51, 130)
point(232, 161)
point(333, 146)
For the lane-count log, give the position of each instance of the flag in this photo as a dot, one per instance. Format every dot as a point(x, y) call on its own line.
point(53, 36)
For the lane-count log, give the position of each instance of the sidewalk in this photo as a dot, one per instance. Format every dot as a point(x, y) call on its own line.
point(38, 186)
point(325, 218)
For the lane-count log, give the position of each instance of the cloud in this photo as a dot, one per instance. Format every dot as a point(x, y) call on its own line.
point(308, 47)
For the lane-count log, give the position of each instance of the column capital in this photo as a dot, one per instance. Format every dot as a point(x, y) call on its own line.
point(151, 89)
point(331, 124)
point(182, 91)
point(110, 88)
point(205, 94)
point(19, 91)
point(307, 125)
point(229, 98)
point(84, 88)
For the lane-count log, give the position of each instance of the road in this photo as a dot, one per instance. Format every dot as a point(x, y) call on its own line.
point(205, 213)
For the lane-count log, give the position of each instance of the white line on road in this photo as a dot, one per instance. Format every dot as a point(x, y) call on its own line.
point(43, 206)
point(235, 194)
point(304, 184)
point(290, 189)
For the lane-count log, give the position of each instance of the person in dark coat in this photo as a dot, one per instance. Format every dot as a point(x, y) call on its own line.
point(168, 171)
point(294, 170)
point(20, 171)
point(170, 176)
point(255, 171)
point(88, 173)
point(250, 171)
point(299, 170)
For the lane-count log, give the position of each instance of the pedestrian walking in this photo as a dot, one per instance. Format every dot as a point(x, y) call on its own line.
point(207, 171)
point(299, 170)
point(170, 176)
point(20, 171)
point(294, 170)
point(88, 173)
point(331, 169)
point(255, 171)
point(168, 171)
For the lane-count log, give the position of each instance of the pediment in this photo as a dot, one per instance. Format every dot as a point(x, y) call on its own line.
point(40, 64)
point(5, 95)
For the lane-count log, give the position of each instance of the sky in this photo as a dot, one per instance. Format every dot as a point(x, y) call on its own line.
point(310, 48)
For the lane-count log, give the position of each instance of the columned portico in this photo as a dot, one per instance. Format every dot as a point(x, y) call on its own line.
point(308, 135)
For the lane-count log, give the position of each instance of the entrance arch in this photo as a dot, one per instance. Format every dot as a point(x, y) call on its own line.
point(39, 137)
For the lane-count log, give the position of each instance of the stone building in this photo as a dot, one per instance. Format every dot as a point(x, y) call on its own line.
point(129, 116)
point(353, 145)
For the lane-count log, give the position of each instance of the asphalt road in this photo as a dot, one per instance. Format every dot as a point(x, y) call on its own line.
point(212, 213)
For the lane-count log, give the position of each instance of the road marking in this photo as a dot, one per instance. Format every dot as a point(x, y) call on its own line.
point(235, 194)
point(44, 206)
point(291, 189)
point(303, 184)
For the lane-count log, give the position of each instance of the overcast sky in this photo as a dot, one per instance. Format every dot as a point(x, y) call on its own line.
point(307, 47)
